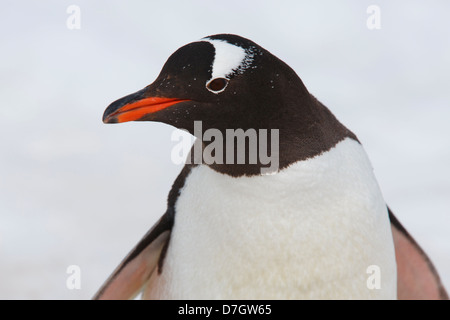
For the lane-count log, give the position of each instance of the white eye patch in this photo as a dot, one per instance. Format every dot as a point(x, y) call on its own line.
point(228, 59)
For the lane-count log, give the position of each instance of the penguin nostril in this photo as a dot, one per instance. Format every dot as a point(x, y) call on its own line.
point(217, 85)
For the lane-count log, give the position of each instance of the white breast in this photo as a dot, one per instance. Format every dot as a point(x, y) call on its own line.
point(309, 231)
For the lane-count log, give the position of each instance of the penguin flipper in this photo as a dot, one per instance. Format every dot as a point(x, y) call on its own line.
point(134, 271)
point(417, 278)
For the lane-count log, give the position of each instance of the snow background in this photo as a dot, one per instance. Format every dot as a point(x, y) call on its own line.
point(74, 191)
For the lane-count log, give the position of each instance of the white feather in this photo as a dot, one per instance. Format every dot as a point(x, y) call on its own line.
point(308, 232)
point(227, 58)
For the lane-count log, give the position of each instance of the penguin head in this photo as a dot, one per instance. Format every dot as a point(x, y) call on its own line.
point(224, 80)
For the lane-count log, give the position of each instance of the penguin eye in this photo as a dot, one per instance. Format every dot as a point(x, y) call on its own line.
point(217, 85)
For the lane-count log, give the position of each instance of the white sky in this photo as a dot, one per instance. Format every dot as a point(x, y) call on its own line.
point(74, 191)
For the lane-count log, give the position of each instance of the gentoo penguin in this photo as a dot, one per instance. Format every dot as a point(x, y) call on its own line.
point(312, 224)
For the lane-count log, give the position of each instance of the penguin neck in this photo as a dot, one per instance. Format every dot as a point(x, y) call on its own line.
point(302, 129)
point(309, 130)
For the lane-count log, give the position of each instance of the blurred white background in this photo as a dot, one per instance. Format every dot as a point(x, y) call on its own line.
point(74, 191)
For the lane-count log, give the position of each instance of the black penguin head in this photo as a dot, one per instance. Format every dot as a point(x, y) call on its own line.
point(231, 84)
point(224, 80)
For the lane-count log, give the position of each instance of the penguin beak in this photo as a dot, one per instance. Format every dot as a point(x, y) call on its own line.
point(135, 106)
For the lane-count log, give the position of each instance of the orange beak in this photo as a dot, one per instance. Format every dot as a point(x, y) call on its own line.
point(135, 106)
